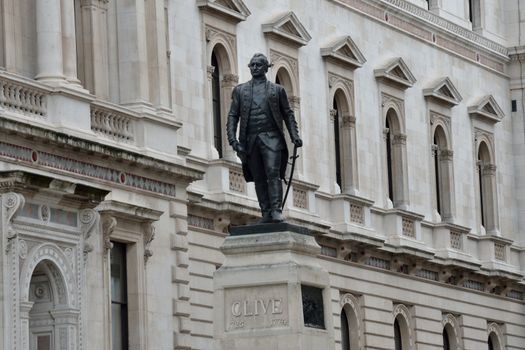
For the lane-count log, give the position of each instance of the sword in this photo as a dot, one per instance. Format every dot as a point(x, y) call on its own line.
point(293, 158)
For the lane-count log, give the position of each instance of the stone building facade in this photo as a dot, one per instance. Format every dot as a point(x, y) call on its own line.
point(118, 188)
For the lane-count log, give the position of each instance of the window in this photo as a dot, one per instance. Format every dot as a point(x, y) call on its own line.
point(119, 297)
point(398, 341)
point(389, 172)
point(345, 334)
point(474, 14)
point(443, 172)
point(216, 101)
point(487, 203)
point(446, 341)
point(395, 162)
point(337, 144)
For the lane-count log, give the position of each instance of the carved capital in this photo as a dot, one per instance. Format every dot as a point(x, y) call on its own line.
point(446, 154)
point(489, 169)
point(333, 114)
point(89, 219)
point(399, 139)
point(348, 121)
point(210, 70)
point(149, 235)
point(295, 101)
point(230, 80)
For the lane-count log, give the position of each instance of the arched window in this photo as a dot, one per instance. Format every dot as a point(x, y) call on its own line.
point(490, 343)
point(216, 103)
point(446, 339)
point(337, 144)
point(398, 341)
point(389, 171)
point(402, 328)
point(443, 174)
point(345, 331)
point(487, 205)
point(396, 167)
point(342, 124)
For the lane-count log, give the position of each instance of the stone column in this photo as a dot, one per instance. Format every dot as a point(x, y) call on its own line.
point(69, 41)
point(490, 204)
point(271, 292)
point(399, 171)
point(132, 54)
point(228, 83)
point(25, 307)
point(447, 185)
point(349, 155)
point(94, 47)
point(49, 42)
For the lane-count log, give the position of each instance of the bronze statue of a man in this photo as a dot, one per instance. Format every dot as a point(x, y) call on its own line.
point(261, 107)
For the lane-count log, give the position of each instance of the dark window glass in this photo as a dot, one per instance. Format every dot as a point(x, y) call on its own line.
point(446, 342)
point(337, 147)
point(216, 98)
point(480, 180)
point(397, 336)
point(345, 334)
point(437, 175)
point(119, 297)
point(491, 346)
point(389, 161)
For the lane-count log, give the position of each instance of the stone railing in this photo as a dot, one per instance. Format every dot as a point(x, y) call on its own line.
point(113, 124)
point(21, 97)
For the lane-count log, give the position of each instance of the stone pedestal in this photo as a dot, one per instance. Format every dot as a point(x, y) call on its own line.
point(270, 285)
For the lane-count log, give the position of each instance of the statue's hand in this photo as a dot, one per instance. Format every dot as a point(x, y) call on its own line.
point(237, 147)
point(297, 142)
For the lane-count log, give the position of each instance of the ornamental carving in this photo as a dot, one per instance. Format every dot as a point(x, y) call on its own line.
point(209, 71)
point(279, 60)
point(399, 139)
point(108, 226)
point(12, 203)
point(149, 235)
point(348, 121)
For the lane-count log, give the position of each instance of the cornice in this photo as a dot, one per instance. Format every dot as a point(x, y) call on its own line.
point(46, 136)
point(434, 30)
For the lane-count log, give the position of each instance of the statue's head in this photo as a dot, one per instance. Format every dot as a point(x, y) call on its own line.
point(258, 65)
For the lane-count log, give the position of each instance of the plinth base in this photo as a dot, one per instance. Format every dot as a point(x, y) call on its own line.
point(271, 292)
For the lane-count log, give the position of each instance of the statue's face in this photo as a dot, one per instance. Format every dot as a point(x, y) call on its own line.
point(258, 67)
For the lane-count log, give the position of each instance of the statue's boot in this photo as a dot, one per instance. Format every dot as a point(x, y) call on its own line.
point(275, 193)
point(261, 188)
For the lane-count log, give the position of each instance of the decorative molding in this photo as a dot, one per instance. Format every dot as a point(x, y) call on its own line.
point(449, 319)
point(444, 92)
point(209, 71)
point(279, 60)
point(344, 51)
point(234, 10)
point(86, 169)
point(487, 109)
point(433, 29)
point(149, 235)
point(396, 72)
point(108, 226)
point(12, 204)
point(287, 27)
point(89, 220)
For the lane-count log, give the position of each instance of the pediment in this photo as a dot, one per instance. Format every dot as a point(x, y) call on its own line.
point(288, 27)
point(396, 72)
point(344, 51)
point(234, 10)
point(488, 109)
point(444, 92)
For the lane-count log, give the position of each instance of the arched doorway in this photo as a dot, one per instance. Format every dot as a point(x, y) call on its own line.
point(52, 323)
